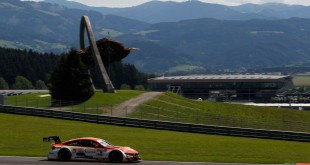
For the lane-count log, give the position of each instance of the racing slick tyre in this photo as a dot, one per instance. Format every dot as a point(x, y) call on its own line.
point(116, 157)
point(64, 155)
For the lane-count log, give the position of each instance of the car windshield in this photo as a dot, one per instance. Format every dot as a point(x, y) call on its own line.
point(105, 143)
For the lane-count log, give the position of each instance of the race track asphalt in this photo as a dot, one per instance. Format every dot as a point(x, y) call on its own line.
point(10, 160)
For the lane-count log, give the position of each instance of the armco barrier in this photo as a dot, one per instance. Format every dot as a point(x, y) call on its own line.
point(154, 124)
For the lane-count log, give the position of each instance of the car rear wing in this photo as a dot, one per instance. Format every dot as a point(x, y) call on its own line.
point(55, 138)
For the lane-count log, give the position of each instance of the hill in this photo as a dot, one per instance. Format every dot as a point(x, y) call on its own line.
point(275, 10)
point(36, 66)
point(32, 65)
point(48, 27)
point(175, 108)
point(172, 107)
point(229, 45)
point(159, 11)
point(194, 46)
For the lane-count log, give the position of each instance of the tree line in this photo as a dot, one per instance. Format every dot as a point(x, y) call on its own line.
point(27, 69)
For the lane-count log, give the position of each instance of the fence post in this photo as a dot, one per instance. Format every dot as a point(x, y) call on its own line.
point(158, 112)
point(97, 114)
point(111, 110)
point(126, 111)
point(140, 113)
point(197, 117)
point(60, 105)
point(84, 108)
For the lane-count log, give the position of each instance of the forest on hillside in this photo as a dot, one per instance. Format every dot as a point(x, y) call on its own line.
point(27, 69)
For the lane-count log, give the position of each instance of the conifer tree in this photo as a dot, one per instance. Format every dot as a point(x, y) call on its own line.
point(3, 84)
point(70, 81)
point(22, 83)
point(40, 85)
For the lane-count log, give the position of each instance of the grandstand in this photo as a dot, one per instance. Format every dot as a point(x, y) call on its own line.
point(224, 87)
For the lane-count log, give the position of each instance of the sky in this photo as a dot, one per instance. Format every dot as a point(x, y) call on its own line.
point(130, 3)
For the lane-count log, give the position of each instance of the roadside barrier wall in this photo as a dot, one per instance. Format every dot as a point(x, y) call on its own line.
point(163, 125)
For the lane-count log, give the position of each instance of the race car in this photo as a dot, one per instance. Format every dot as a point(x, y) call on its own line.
point(90, 149)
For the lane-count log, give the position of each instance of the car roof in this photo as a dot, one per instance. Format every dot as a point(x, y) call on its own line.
point(85, 138)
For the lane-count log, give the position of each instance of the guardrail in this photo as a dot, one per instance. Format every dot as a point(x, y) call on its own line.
point(154, 124)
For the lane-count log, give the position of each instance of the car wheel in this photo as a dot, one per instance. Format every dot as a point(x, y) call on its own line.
point(64, 155)
point(116, 157)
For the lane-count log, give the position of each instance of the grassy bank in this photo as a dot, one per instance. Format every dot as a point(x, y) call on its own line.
point(173, 107)
point(22, 135)
point(98, 103)
point(302, 81)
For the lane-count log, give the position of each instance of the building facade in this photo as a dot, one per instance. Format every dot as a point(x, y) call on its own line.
point(224, 87)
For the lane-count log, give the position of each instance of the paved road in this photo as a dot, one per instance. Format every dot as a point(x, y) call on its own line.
point(10, 160)
point(127, 107)
point(18, 92)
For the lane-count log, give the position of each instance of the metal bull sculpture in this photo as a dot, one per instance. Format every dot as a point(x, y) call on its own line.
point(101, 53)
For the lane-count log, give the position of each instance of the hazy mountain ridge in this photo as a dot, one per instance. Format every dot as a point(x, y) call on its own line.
point(216, 44)
point(46, 27)
point(158, 11)
point(276, 10)
point(203, 44)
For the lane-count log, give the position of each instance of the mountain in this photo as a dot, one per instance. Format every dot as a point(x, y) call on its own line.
point(69, 4)
point(234, 45)
point(193, 45)
point(275, 10)
point(159, 11)
point(53, 28)
point(47, 27)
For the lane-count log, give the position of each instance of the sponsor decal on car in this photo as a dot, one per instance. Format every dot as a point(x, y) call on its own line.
point(90, 151)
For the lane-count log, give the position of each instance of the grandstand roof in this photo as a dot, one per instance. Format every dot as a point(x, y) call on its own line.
point(220, 78)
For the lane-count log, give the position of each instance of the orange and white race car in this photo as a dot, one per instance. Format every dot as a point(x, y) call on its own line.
point(90, 149)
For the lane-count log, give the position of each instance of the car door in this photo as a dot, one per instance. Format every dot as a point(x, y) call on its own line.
point(96, 150)
point(89, 149)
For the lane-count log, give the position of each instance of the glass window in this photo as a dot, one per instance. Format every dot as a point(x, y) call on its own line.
point(73, 143)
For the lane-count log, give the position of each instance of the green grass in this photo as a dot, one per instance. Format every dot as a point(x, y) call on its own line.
point(303, 81)
point(98, 103)
point(185, 68)
point(110, 32)
point(22, 136)
point(172, 107)
point(144, 33)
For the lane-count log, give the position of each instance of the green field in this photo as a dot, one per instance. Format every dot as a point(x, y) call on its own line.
point(184, 68)
point(97, 104)
point(22, 136)
point(24, 132)
point(302, 81)
point(172, 107)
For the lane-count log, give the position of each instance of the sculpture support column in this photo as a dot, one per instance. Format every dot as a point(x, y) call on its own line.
point(85, 23)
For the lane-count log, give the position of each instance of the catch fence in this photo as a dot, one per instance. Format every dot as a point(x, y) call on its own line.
point(155, 124)
point(150, 112)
